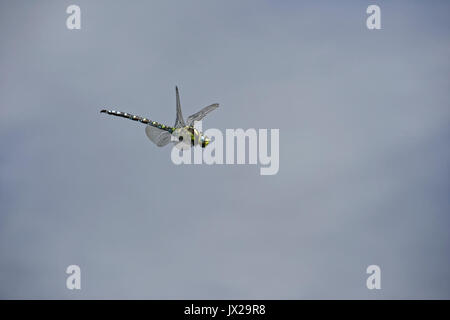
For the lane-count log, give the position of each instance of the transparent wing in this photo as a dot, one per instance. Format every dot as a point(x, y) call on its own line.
point(157, 136)
point(179, 121)
point(201, 114)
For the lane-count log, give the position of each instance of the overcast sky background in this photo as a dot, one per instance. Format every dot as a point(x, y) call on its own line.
point(364, 150)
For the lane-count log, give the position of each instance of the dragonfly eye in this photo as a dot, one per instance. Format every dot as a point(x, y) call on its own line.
point(205, 142)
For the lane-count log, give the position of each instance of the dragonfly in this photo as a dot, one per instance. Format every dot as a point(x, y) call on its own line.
point(182, 133)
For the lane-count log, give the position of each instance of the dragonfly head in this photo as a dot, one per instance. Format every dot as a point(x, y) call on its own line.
point(204, 140)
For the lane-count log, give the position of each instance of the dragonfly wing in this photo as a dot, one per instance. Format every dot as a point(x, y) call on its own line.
point(179, 121)
point(158, 136)
point(201, 114)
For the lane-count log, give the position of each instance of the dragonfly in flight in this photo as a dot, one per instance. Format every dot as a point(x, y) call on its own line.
point(182, 133)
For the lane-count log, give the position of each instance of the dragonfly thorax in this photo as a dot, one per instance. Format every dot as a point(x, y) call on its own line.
point(189, 136)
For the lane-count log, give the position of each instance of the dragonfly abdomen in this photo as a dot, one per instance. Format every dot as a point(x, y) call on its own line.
point(139, 119)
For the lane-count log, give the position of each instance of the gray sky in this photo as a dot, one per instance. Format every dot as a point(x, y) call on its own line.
point(364, 159)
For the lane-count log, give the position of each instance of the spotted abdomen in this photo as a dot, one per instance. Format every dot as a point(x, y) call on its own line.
point(138, 118)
